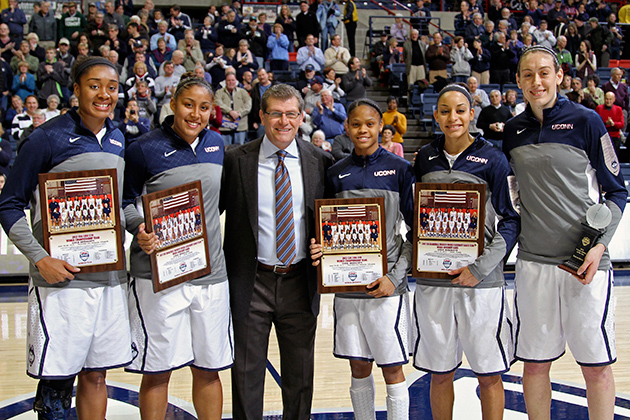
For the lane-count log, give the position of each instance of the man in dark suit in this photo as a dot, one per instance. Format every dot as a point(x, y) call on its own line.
point(271, 280)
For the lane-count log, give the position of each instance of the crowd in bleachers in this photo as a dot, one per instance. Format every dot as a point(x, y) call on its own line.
point(239, 53)
point(242, 54)
point(485, 47)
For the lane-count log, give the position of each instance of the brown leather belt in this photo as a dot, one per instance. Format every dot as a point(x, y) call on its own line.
point(281, 269)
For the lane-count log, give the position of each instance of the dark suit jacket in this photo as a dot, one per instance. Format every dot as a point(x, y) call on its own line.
point(239, 199)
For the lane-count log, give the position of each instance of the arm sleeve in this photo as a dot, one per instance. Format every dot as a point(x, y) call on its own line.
point(244, 105)
point(221, 99)
point(5, 151)
point(348, 81)
point(271, 42)
point(338, 151)
point(302, 55)
point(135, 175)
point(151, 107)
point(508, 226)
point(367, 81)
point(400, 269)
point(144, 125)
point(619, 123)
point(482, 122)
point(319, 56)
point(284, 41)
point(16, 195)
point(401, 127)
point(317, 117)
point(604, 160)
point(339, 113)
point(330, 57)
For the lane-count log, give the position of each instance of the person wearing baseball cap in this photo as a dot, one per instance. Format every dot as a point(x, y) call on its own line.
point(304, 84)
point(313, 95)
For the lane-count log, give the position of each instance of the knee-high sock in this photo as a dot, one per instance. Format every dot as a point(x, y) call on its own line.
point(398, 401)
point(362, 396)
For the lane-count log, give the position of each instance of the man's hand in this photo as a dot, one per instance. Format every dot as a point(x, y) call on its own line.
point(465, 277)
point(320, 107)
point(589, 267)
point(54, 270)
point(234, 115)
point(382, 287)
point(146, 241)
point(316, 252)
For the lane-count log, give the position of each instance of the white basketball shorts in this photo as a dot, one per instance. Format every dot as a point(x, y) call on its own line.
point(450, 321)
point(553, 309)
point(183, 325)
point(372, 329)
point(72, 329)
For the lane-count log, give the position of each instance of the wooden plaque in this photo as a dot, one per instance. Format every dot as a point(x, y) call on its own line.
point(177, 217)
point(354, 246)
point(448, 227)
point(81, 219)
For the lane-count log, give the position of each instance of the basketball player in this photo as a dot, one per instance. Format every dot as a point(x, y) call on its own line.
point(554, 308)
point(372, 327)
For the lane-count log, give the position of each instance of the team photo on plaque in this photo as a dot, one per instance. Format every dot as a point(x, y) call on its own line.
point(449, 227)
point(81, 223)
point(351, 232)
point(177, 218)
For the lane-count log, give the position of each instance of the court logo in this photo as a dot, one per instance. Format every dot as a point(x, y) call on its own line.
point(569, 401)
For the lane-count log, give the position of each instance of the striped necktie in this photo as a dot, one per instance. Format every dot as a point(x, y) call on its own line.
point(285, 232)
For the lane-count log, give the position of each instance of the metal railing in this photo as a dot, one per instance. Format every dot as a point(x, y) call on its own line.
point(371, 20)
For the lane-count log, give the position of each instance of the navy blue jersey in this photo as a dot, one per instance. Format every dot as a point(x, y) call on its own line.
point(561, 166)
point(480, 163)
point(62, 144)
point(382, 174)
point(160, 159)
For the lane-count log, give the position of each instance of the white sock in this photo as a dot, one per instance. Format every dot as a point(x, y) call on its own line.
point(362, 396)
point(398, 401)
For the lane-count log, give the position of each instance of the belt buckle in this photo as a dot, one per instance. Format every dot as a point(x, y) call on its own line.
point(280, 267)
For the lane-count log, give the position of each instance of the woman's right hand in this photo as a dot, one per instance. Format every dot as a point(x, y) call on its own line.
point(146, 241)
point(54, 270)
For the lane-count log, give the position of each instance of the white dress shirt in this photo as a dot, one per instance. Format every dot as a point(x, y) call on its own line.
point(267, 162)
